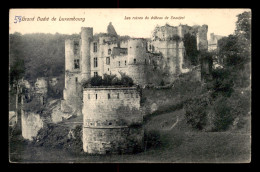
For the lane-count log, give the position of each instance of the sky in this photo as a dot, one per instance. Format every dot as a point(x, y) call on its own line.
point(219, 21)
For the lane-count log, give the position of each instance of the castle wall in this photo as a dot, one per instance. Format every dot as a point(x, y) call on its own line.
point(107, 121)
point(72, 93)
point(202, 39)
point(118, 64)
point(101, 55)
point(164, 32)
point(171, 52)
point(123, 44)
point(112, 140)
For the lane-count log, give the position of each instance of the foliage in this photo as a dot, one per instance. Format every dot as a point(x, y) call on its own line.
point(38, 54)
point(223, 117)
point(51, 135)
point(126, 80)
point(190, 45)
point(123, 38)
point(196, 111)
point(243, 25)
point(229, 87)
point(236, 51)
point(152, 139)
point(16, 61)
point(33, 106)
point(96, 81)
point(175, 38)
point(56, 90)
point(56, 136)
point(109, 80)
point(221, 83)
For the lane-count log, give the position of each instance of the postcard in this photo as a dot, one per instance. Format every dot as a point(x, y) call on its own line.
point(130, 85)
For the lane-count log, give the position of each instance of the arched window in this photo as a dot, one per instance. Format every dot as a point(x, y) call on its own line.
point(109, 51)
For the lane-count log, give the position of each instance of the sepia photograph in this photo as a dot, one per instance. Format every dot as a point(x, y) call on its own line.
point(130, 85)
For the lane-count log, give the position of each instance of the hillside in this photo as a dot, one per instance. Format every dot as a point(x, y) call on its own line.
point(166, 143)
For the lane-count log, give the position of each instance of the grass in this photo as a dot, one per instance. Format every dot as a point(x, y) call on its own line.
point(179, 144)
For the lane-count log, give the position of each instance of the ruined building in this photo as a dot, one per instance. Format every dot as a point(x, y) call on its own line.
point(213, 41)
point(144, 60)
point(110, 112)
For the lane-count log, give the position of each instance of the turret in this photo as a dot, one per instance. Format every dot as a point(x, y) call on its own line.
point(136, 50)
point(69, 56)
point(86, 38)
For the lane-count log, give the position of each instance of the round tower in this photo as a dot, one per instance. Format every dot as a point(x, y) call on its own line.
point(136, 51)
point(86, 38)
point(109, 114)
point(69, 56)
point(137, 60)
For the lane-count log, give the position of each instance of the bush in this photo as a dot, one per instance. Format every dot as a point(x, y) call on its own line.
point(152, 139)
point(96, 81)
point(196, 111)
point(109, 80)
point(75, 144)
point(126, 80)
point(221, 84)
point(56, 136)
point(223, 117)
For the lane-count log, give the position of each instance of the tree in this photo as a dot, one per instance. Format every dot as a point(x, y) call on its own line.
point(243, 25)
point(236, 51)
point(16, 58)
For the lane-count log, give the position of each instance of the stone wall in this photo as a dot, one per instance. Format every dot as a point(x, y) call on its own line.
point(31, 124)
point(112, 140)
point(108, 114)
point(72, 93)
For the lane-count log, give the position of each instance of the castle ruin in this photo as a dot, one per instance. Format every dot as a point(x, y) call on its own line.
point(109, 112)
point(144, 60)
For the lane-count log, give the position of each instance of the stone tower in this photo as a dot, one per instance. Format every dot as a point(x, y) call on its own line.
point(72, 93)
point(137, 57)
point(86, 38)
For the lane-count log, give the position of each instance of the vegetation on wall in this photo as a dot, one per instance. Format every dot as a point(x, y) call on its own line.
point(190, 45)
point(58, 136)
point(109, 80)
